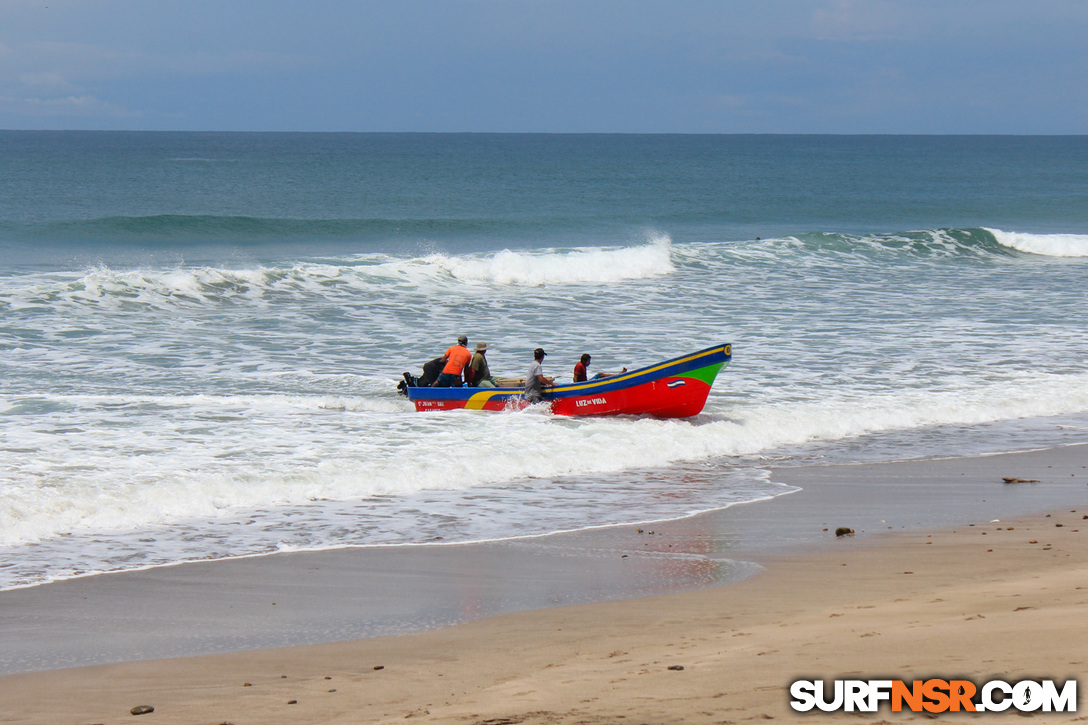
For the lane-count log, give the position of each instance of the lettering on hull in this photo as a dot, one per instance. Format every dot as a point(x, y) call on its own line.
point(437, 404)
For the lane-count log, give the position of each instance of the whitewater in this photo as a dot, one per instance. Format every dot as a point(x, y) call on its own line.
point(191, 375)
point(169, 415)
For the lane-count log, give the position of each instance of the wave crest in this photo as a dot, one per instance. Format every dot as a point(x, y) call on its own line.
point(104, 287)
point(926, 246)
point(1047, 245)
point(220, 228)
point(581, 266)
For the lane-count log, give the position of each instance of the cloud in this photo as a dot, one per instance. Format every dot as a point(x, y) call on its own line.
point(45, 80)
point(559, 65)
point(50, 79)
point(72, 64)
point(83, 106)
point(851, 20)
point(230, 63)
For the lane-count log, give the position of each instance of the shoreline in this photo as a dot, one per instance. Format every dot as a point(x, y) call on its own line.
point(504, 629)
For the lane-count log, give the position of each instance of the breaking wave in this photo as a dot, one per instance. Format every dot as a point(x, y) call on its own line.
point(110, 288)
point(928, 246)
point(1047, 245)
point(580, 266)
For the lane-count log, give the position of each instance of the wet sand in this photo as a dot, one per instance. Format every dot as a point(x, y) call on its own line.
point(929, 585)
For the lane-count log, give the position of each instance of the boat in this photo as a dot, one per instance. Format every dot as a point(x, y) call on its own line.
point(676, 388)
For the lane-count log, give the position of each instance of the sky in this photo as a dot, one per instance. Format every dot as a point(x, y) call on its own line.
point(613, 66)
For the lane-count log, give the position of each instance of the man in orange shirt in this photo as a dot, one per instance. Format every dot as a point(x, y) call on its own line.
point(455, 360)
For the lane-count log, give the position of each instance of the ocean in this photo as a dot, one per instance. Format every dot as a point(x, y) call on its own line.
point(201, 333)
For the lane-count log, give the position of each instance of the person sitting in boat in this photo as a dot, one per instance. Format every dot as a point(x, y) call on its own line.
point(581, 374)
point(454, 361)
point(477, 374)
point(536, 381)
point(431, 370)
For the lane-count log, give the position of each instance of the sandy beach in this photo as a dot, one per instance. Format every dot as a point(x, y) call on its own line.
point(952, 573)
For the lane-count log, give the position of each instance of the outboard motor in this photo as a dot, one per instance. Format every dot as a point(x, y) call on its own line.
point(431, 369)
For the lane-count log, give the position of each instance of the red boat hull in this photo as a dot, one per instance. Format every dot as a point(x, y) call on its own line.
point(676, 388)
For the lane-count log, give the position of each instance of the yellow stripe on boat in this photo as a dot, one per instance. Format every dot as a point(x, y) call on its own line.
point(478, 400)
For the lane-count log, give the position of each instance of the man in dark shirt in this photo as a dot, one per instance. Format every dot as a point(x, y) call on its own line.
point(477, 374)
